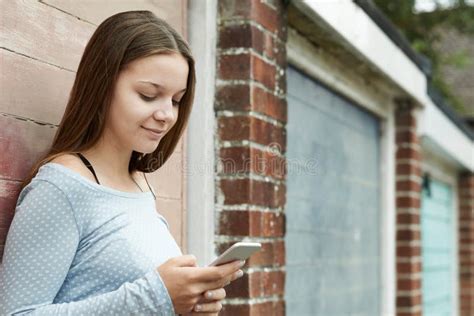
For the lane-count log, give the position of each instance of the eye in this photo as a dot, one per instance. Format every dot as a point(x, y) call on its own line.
point(176, 103)
point(146, 98)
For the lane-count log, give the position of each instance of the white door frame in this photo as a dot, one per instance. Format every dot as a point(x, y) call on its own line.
point(202, 27)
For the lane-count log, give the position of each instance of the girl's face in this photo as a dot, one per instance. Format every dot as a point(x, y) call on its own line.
point(145, 102)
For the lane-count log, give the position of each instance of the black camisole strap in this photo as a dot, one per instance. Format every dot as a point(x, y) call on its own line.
point(88, 165)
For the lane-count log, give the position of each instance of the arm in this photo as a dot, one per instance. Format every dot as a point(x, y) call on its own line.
point(40, 247)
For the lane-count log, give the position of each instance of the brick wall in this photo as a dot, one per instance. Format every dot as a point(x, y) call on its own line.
point(251, 114)
point(466, 243)
point(408, 202)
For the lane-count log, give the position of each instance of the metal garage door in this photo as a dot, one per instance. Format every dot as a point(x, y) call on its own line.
point(437, 237)
point(333, 224)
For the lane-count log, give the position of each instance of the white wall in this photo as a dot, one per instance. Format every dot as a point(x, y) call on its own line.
point(200, 164)
point(367, 39)
point(450, 141)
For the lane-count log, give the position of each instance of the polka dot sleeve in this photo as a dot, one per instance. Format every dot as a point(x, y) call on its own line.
point(40, 247)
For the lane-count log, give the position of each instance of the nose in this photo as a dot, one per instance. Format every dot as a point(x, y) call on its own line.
point(164, 112)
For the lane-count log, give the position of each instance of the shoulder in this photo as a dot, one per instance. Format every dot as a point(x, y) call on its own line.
point(74, 163)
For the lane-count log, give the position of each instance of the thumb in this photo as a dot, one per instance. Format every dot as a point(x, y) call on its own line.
point(185, 261)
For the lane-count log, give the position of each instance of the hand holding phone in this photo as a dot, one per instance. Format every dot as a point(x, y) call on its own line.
point(238, 251)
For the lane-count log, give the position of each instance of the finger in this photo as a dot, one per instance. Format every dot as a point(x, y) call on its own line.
point(222, 282)
point(185, 261)
point(213, 307)
point(236, 275)
point(214, 295)
point(209, 274)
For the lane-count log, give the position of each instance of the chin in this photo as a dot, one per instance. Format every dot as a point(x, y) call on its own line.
point(146, 149)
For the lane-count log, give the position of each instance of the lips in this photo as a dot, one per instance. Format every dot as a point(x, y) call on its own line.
point(155, 133)
point(154, 130)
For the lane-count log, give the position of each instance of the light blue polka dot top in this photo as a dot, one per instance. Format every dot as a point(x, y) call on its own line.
point(75, 247)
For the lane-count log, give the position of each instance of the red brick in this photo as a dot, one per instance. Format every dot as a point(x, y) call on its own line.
point(263, 72)
point(466, 253)
point(273, 283)
point(272, 253)
point(265, 16)
point(253, 223)
point(242, 97)
point(408, 235)
point(269, 308)
point(237, 29)
point(408, 219)
point(408, 301)
point(406, 136)
point(273, 224)
point(408, 153)
point(466, 192)
point(408, 251)
point(464, 229)
point(280, 54)
point(466, 275)
point(240, 223)
point(281, 83)
point(409, 313)
point(465, 214)
point(234, 97)
point(409, 267)
point(466, 239)
point(408, 201)
point(247, 66)
point(269, 104)
point(274, 308)
point(253, 129)
point(234, 9)
point(235, 310)
point(250, 10)
point(247, 36)
point(408, 185)
point(239, 35)
point(405, 119)
point(257, 284)
point(234, 67)
point(243, 160)
point(239, 288)
point(466, 234)
point(467, 284)
point(466, 180)
point(249, 191)
point(408, 285)
point(408, 169)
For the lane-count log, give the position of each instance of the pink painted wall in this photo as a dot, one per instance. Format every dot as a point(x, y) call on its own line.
point(41, 43)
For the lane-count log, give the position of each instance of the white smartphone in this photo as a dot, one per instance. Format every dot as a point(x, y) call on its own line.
point(238, 251)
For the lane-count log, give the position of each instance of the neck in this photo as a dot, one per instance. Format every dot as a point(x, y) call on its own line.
point(110, 160)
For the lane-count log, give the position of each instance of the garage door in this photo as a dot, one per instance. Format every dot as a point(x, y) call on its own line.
point(333, 214)
point(438, 255)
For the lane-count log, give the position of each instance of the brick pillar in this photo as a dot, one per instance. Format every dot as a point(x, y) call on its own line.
point(408, 202)
point(251, 113)
point(466, 243)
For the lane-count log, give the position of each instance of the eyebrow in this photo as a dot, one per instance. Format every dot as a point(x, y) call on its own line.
point(159, 86)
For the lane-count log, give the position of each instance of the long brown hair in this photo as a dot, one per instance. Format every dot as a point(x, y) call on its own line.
point(119, 40)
